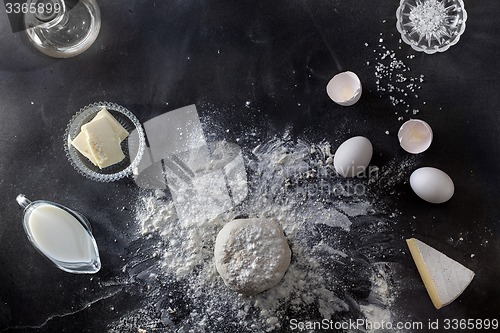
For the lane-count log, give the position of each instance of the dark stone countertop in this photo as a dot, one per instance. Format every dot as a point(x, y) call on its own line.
point(156, 56)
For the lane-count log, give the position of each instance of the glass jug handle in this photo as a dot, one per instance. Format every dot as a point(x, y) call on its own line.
point(22, 200)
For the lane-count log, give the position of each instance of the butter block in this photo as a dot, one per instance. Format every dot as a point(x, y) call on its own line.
point(444, 278)
point(117, 127)
point(82, 145)
point(119, 130)
point(103, 142)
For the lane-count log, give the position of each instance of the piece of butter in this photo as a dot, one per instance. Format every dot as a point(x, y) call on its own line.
point(444, 278)
point(104, 143)
point(99, 140)
point(82, 145)
point(119, 130)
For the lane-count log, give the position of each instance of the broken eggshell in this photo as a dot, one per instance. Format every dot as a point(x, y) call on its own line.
point(344, 88)
point(415, 136)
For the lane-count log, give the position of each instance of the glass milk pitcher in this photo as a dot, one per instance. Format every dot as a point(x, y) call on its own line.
point(60, 234)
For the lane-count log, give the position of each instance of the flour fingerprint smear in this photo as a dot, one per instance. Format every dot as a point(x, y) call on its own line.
point(340, 232)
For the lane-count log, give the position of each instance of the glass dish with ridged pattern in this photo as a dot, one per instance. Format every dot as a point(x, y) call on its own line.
point(431, 26)
point(133, 146)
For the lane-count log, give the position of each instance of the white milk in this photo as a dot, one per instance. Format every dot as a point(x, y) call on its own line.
point(59, 235)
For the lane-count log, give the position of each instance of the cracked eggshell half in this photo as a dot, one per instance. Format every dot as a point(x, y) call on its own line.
point(344, 88)
point(353, 156)
point(415, 136)
point(432, 185)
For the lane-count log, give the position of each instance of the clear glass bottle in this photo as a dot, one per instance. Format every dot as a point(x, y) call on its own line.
point(62, 28)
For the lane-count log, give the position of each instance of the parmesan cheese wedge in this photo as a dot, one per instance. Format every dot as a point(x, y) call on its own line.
point(444, 278)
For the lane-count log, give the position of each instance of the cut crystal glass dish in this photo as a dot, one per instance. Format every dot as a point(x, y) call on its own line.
point(133, 146)
point(431, 26)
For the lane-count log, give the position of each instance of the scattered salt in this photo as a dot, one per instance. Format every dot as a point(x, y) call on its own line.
point(394, 80)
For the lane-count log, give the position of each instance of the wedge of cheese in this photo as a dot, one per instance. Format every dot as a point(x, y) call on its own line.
point(444, 278)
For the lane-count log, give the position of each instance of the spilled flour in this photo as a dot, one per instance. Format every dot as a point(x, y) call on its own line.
point(338, 231)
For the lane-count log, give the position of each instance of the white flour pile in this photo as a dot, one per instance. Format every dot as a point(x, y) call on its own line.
point(339, 239)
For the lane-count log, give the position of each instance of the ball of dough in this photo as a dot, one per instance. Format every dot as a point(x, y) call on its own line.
point(252, 255)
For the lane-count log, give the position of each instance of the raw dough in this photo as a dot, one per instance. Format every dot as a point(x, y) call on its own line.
point(252, 255)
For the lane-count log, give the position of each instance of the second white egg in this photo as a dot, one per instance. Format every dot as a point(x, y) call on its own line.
point(353, 156)
point(432, 185)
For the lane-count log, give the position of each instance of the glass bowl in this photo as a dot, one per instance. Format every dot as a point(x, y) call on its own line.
point(431, 26)
point(133, 146)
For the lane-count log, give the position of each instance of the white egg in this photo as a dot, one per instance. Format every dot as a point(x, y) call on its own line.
point(353, 156)
point(415, 136)
point(432, 185)
point(344, 88)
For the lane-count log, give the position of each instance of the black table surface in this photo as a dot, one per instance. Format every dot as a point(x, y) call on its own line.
point(156, 56)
